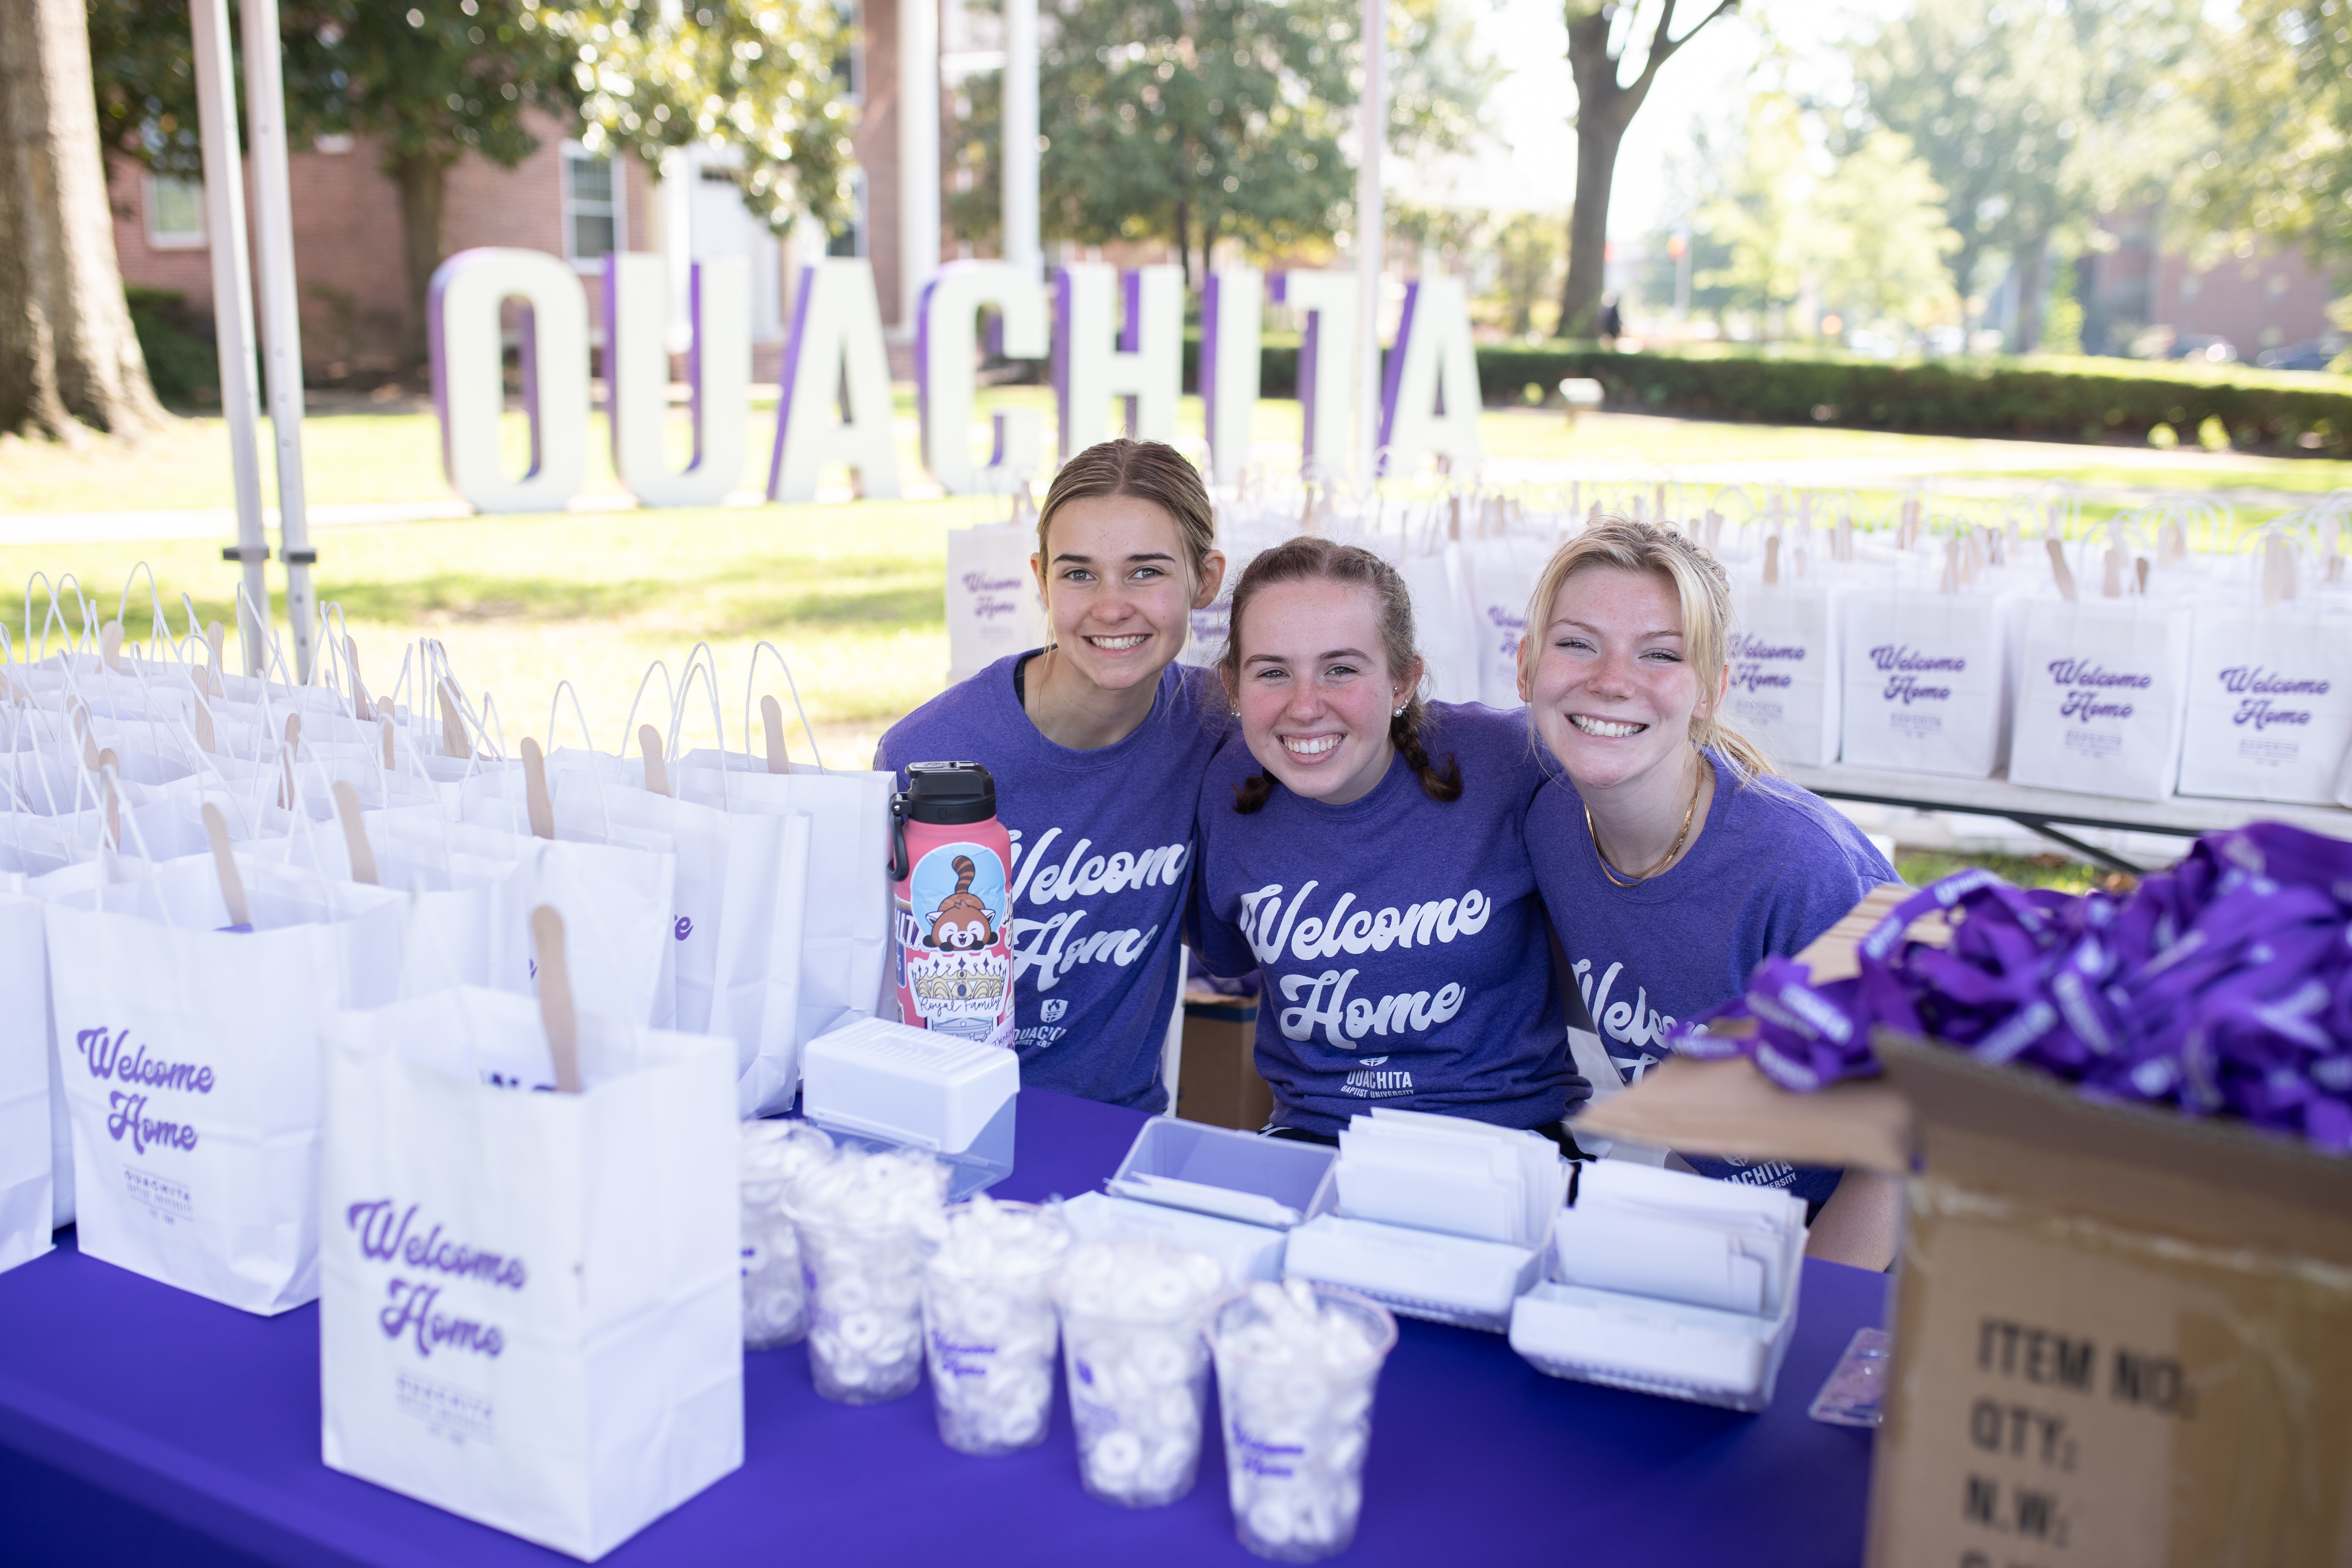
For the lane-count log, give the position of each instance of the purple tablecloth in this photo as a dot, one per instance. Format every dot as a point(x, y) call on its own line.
point(141, 1423)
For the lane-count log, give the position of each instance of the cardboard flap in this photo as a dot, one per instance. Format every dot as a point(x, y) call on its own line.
point(1729, 1110)
point(2016, 1129)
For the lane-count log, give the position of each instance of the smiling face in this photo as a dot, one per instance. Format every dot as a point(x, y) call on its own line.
point(1316, 691)
point(1612, 691)
point(1117, 594)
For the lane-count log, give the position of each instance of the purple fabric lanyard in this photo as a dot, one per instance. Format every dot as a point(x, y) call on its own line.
point(2221, 988)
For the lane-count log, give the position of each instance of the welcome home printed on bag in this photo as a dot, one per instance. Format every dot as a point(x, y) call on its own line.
point(2102, 698)
point(1927, 683)
point(2269, 705)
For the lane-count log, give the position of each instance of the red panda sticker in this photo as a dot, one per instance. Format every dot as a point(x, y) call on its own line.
point(958, 963)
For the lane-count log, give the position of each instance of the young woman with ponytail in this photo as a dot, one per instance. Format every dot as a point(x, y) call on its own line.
point(1363, 852)
point(1672, 858)
point(1098, 742)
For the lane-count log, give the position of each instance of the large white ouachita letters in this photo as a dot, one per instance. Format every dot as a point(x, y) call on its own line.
point(1231, 318)
point(1326, 303)
point(1430, 401)
point(636, 376)
point(470, 376)
point(945, 344)
point(1146, 367)
point(835, 347)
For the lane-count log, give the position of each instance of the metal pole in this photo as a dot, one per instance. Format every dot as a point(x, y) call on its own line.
point(281, 320)
point(1372, 229)
point(918, 153)
point(231, 309)
point(1019, 153)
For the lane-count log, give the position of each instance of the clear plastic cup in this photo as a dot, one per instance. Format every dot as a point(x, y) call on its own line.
point(1296, 1369)
point(863, 1264)
point(1132, 1316)
point(989, 1323)
point(776, 1300)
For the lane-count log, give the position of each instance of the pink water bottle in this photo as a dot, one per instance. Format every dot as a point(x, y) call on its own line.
point(949, 863)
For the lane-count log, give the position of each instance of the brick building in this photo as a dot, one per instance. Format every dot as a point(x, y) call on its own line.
point(561, 199)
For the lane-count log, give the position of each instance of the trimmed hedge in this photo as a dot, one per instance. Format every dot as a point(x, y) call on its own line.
point(2068, 399)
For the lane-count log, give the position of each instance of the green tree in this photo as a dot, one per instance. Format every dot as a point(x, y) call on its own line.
point(434, 81)
point(1604, 39)
point(1759, 217)
point(1191, 121)
point(2279, 90)
point(1878, 238)
point(1526, 252)
point(2033, 118)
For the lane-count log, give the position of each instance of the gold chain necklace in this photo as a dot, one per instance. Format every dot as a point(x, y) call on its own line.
point(1616, 878)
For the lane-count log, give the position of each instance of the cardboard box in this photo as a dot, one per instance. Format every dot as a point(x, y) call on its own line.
point(2121, 1336)
point(1218, 1082)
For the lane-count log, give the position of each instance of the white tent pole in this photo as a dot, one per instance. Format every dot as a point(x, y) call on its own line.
point(281, 320)
point(918, 153)
point(1371, 230)
point(232, 306)
point(1019, 153)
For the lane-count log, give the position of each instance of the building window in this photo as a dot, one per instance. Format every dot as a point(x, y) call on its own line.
point(175, 212)
point(592, 208)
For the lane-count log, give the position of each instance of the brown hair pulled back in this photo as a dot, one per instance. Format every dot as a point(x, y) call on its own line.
point(1151, 470)
point(1308, 559)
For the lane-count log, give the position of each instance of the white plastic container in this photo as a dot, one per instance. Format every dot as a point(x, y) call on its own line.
point(916, 1089)
point(1668, 1283)
point(1420, 1273)
point(1273, 1183)
point(1245, 1252)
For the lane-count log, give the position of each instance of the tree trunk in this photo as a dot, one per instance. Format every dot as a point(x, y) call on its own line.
point(1964, 275)
point(423, 180)
point(1588, 228)
point(67, 354)
point(1184, 242)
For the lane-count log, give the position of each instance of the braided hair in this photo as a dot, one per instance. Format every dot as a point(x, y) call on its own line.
point(1309, 559)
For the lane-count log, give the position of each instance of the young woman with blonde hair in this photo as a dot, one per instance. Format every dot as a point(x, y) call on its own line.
point(1362, 849)
point(1098, 742)
point(1671, 856)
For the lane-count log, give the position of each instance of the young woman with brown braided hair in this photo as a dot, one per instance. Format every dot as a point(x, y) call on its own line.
point(1364, 854)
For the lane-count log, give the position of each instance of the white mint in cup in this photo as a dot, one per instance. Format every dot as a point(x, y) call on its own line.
point(868, 1222)
point(989, 1324)
point(775, 1302)
point(1295, 1366)
point(1132, 1316)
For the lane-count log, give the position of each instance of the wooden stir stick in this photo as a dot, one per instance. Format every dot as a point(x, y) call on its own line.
point(656, 775)
point(772, 719)
point(232, 885)
point(355, 839)
point(539, 805)
point(556, 1013)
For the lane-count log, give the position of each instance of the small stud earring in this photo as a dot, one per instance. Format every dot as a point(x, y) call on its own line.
point(1397, 712)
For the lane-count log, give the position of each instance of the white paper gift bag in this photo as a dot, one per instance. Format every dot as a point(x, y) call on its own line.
point(1787, 690)
point(1927, 682)
point(2102, 696)
point(530, 1311)
point(1442, 623)
point(29, 1102)
point(2270, 704)
point(992, 605)
point(190, 1056)
point(1501, 572)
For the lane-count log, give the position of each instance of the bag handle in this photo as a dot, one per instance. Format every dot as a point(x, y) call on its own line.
point(360, 707)
point(556, 1013)
point(232, 884)
point(776, 748)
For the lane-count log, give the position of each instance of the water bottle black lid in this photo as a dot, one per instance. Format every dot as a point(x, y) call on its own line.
point(949, 792)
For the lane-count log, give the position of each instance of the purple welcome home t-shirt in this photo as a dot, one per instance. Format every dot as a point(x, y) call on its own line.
point(1401, 939)
point(1102, 865)
point(1774, 867)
